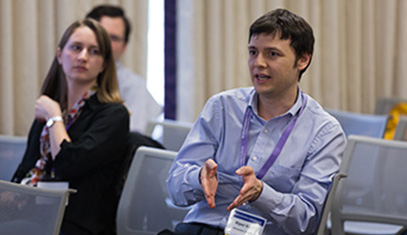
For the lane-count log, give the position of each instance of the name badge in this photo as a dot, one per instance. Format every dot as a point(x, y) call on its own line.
point(244, 223)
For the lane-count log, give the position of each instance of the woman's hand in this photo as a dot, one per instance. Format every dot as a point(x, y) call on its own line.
point(46, 108)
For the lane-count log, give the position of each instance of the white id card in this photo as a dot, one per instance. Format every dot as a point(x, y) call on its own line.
point(244, 223)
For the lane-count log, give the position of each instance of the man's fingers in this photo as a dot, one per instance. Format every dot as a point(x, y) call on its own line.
point(234, 204)
point(239, 200)
point(242, 198)
point(209, 193)
point(211, 166)
point(209, 181)
point(250, 190)
point(244, 170)
point(211, 201)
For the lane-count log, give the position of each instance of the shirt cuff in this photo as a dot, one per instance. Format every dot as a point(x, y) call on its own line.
point(268, 199)
point(194, 178)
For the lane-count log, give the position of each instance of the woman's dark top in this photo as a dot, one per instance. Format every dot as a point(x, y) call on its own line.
point(90, 163)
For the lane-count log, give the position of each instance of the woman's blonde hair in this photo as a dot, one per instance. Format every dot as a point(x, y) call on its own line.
point(55, 85)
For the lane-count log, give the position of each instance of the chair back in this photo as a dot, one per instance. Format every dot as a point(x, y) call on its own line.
point(11, 153)
point(170, 133)
point(385, 104)
point(374, 189)
point(31, 210)
point(361, 124)
point(145, 207)
point(401, 129)
point(323, 229)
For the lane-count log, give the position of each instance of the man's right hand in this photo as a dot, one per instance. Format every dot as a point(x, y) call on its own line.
point(209, 181)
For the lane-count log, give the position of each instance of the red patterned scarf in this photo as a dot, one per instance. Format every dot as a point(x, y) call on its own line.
point(38, 172)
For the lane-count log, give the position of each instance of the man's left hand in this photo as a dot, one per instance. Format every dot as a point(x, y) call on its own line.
point(251, 189)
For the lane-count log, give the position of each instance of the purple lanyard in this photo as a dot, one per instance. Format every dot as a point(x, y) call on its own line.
point(280, 144)
point(69, 124)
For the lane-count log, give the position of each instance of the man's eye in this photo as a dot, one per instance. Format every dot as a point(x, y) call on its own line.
point(115, 38)
point(252, 52)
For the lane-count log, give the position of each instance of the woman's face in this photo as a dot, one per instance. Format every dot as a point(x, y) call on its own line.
point(80, 58)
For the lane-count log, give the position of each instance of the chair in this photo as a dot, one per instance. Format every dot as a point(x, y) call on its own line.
point(31, 210)
point(385, 104)
point(361, 124)
point(171, 133)
point(396, 109)
point(401, 129)
point(323, 228)
point(144, 207)
point(372, 198)
point(11, 153)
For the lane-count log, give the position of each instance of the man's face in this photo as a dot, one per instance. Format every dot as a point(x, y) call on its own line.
point(115, 28)
point(272, 63)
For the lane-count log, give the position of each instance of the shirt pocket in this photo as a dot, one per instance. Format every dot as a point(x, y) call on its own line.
point(282, 178)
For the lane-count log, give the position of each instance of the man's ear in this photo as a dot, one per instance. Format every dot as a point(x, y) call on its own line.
point(303, 62)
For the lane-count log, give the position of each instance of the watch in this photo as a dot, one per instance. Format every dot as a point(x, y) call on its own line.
point(51, 121)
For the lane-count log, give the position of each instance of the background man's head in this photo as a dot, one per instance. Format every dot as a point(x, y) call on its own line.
point(113, 19)
point(290, 27)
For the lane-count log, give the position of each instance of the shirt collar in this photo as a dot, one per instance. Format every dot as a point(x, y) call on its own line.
point(118, 64)
point(293, 110)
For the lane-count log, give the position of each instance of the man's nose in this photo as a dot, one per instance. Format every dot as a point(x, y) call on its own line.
point(260, 61)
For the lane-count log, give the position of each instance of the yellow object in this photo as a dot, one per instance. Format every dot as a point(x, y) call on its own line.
point(395, 112)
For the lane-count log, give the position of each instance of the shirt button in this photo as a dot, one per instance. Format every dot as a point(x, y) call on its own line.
point(266, 131)
point(254, 158)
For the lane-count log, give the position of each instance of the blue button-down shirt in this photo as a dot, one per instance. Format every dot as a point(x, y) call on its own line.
point(296, 185)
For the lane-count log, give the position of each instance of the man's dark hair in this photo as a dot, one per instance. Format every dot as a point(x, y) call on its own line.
point(111, 11)
point(289, 26)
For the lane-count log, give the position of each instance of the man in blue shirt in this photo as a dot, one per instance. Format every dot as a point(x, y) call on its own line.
point(270, 149)
point(133, 88)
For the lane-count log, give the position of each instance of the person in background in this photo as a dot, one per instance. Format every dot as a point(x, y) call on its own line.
point(270, 150)
point(133, 89)
point(80, 130)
